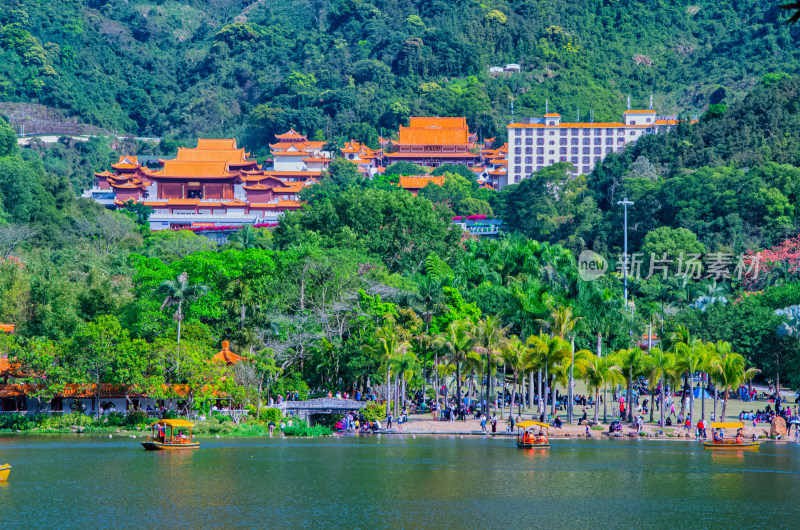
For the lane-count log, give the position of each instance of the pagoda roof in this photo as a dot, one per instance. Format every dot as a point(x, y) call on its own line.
point(104, 173)
point(639, 112)
point(487, 186)
point(216, 143)
point(459, 122)
point(235, 202)
point(278, 204)
point(127, 162)
point(195, 170)
point(317, 159)
point(291, 134)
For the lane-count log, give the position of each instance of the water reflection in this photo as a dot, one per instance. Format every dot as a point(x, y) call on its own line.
point(389, 481)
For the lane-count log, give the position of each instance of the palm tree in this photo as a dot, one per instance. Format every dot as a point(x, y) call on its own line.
point(732, 372)
point(389, 346)
point(248, 237)
point(597, 372)
point(489, 338)
point(690, 360)
point(178, 291)
point(516, 356)
point(634, 365)
point(561, 324)
point(457, 342)
point(661, 362)
point(546, 353)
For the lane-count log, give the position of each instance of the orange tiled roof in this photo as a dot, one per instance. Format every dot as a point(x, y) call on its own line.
point(104, 173)
point(444, 123)
point(231, 156)
point(7, 328)
point(552, 115)
point(291, 133)
point(432, 136)
point(127, 162)
point(639, 112)
point(216, 144)
point(419, 182)
point(487, 186)
point(177, 168)
point(227, 356)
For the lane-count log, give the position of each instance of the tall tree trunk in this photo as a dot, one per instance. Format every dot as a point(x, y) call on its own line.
point(691, 400)
point(605, 404)
point(530, 390)
point(596, 404)
point(513, 397)
point(629, 396)
point(724, 404)
point(503, 393)
point(652, 402)
point(180, 319)
point(569, 390)
point(716, 394)
point(539, 384)
point(388, 388)
point(436, 378)
point(458, 386)
point(546, 388)
point(663, 404)
point(704, 377)
point(552, 386)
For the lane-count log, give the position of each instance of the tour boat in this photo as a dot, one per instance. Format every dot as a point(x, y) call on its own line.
point(5, 469)
point(527, 438)
point(730, 444)
point(165, 436)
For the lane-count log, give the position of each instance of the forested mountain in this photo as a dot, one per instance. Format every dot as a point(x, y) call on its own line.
point(350, 67)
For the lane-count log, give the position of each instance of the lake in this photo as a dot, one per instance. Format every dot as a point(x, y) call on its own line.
point(65, 481)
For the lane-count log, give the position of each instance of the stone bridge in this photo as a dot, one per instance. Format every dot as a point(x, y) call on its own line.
point(307, 410)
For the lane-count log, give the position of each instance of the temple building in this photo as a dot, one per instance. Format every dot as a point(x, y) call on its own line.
point(368, 160)
point(296, 158)
point(215, 184)
point(432, 142)
point(535, 143)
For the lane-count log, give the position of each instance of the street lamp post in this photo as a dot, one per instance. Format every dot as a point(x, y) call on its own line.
point(625, 203)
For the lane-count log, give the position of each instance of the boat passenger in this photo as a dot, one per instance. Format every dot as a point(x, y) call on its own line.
point(739, 439)
point(717, 437)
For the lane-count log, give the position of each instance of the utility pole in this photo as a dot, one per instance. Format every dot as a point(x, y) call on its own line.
point(625, 203)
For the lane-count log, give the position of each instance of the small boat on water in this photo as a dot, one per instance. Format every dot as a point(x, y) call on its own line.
point(170, 434)
point(720, 443)
point(5, 469)
point(533, 434)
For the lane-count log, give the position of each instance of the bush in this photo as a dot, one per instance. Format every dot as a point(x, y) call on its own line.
point(115, 419)
point(301, 428)
point(14, 422)
point(374, 411)
point(271, 414)
point(136, 418)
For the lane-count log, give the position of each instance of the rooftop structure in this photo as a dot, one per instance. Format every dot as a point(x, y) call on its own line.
point(416, 183)
point(214, 184)
point(535, 143)
point(435, 141)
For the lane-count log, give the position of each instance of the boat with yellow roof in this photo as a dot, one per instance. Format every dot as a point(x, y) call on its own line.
point(719, 443)
point(527, 438)
point(170, 434)
point(5, 469)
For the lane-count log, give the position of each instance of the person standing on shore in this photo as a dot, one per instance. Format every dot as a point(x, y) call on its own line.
point(271, 428)
point(389, 422)
point(494, 422)
point(483, 423)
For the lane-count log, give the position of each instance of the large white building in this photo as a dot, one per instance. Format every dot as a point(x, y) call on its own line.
point(535, 143)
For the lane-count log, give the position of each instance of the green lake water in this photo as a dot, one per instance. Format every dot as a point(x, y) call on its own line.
point(77, 481)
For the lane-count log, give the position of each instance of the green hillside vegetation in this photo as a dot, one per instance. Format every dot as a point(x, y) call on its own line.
point(347, 68)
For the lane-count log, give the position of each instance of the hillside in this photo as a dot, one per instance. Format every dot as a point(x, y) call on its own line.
point(351, 67)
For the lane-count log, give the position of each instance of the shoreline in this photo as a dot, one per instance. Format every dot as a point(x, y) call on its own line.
point(424, 426)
